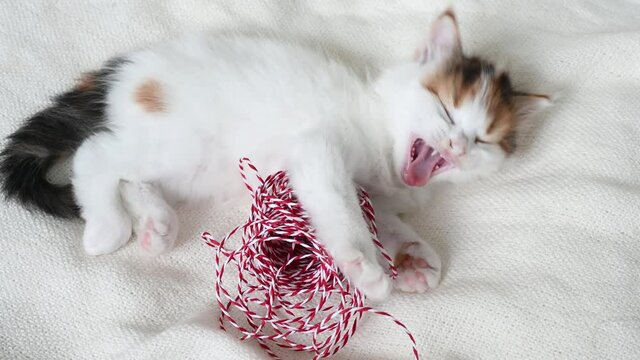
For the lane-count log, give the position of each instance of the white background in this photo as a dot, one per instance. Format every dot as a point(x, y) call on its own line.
point(542, 261)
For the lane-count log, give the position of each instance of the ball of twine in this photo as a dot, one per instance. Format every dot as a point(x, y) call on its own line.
point(288, 291)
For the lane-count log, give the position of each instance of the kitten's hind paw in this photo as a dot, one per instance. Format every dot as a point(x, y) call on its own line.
point(106, 235)
point(157, 234)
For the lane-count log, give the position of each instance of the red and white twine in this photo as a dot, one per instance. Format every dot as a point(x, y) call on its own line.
point(289, 291)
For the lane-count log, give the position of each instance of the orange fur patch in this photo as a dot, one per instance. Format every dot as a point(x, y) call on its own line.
point(401, 256)
point(457, 83)
point(501, 108)
point(149, 95)
point(462, 80)
point(87, 82)
point(449, 13)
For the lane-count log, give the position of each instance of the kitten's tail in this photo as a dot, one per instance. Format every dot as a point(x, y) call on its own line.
point(51, 135)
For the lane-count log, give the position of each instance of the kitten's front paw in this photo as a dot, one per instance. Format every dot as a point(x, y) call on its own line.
point(418, 268)
point(367, 276)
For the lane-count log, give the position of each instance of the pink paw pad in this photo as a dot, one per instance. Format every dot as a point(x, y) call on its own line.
point(145, 241)
point(155, 237)
point(415, 274)
point(352, 266)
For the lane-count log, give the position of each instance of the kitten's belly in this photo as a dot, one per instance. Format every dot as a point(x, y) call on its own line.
point(194, 165)
point(217, 181)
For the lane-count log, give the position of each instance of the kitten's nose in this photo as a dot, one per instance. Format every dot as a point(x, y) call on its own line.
point(458, 146)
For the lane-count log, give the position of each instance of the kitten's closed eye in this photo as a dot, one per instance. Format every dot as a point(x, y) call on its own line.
point(443, 107)
point(446, 112)
point(480, 141)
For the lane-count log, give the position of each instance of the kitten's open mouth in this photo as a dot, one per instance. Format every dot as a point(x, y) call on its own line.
point(423, 163)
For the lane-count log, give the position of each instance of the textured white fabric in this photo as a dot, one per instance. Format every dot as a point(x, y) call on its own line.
point(542, 261)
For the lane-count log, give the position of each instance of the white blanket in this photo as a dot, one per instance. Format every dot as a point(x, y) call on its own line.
point(542, 261)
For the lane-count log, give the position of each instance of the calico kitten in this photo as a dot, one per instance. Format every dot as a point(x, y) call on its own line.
point(173, 120)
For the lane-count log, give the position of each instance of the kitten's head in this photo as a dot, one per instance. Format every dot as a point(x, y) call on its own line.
point(453, 117)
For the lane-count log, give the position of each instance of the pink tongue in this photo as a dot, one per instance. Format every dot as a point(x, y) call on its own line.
point(418, 171)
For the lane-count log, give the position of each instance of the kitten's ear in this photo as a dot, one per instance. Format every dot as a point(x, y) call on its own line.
point(443, 42)
point(528, 104)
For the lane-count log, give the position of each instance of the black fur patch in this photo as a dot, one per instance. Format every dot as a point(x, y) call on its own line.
point(471, 69)
point(50, 135)
point(504, 84)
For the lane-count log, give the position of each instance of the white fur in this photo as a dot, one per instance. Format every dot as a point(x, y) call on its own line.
point(283, 106)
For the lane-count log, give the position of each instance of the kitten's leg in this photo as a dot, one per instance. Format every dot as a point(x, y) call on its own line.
point(419, 266)
point(107, 224)
point(328, 194)
point(156, 223)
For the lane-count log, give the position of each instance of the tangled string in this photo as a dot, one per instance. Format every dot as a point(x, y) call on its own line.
point(288, 291)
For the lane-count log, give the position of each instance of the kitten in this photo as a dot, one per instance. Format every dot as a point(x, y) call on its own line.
point(174, 119)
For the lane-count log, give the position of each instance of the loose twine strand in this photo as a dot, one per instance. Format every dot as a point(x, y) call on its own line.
point(289, 288)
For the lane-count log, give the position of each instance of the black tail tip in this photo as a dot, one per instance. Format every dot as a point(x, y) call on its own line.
point(24, 179)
